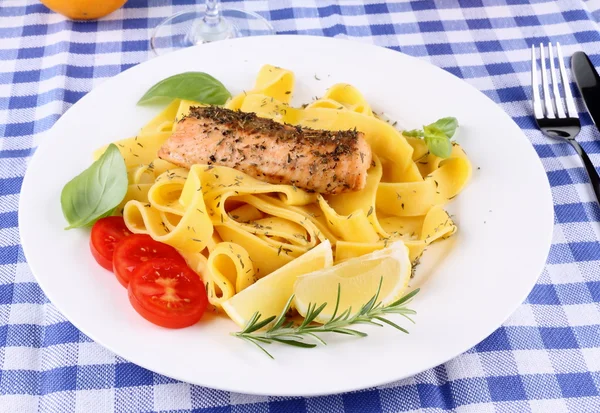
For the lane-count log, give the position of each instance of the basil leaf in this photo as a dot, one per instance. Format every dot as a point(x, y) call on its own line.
point(97, 191)
point(197, 86)
point(415, 133)
point(438, 143)
point(447, 125)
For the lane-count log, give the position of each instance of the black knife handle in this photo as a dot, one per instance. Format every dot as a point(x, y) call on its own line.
point(589, 167)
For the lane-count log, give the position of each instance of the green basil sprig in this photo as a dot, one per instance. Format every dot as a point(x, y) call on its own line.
point(437, 136)
point(197, 86)
point(97, 191)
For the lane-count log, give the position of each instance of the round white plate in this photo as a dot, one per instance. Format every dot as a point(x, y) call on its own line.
point(470, 283)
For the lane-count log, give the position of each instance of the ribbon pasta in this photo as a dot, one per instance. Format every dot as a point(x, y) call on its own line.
point(234, 229)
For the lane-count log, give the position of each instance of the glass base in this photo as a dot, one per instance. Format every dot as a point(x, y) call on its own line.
point(189, 28)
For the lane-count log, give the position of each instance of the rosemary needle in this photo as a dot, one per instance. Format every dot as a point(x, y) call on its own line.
point(281, 330)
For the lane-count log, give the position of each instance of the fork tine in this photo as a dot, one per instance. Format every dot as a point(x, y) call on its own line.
point(571, 110)
point(537, 104)
point(560, 111)
point(545, 88)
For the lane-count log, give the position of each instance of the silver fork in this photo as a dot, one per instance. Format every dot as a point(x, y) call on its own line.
point(552, 118)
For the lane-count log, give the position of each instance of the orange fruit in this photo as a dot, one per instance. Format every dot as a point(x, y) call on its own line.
point(83, 9)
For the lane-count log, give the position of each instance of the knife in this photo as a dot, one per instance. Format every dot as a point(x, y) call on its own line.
point(588, 83)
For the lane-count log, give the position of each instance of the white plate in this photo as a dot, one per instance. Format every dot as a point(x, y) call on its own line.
point(470, 283)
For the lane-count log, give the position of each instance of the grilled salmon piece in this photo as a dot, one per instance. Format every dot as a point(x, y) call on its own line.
point(316, 160)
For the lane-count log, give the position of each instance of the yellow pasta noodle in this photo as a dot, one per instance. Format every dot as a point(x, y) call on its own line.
point(419, 233)
point(164, 121)
point(139, 150)
point(230, 271)
point(343, 96)
point(272, 81)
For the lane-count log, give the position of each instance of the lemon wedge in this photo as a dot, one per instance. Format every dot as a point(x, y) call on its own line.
point(358, 279)
point(270, 294)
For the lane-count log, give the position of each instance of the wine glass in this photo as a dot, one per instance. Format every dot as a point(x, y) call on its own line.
point(208, 23)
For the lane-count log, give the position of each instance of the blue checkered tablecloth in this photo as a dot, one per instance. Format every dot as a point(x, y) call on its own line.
point(545, 358)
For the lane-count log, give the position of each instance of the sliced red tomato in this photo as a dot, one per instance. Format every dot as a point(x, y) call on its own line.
point(106, 233)
point(168, 293)
point(138, 249)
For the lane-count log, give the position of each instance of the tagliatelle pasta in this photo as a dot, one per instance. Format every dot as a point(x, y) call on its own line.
point(235, 229)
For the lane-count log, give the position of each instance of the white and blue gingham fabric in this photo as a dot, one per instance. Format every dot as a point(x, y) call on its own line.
point(545, 358)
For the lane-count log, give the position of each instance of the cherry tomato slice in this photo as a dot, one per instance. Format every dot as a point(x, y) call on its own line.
point(106, 233)
point(168, 293)
point(137, 249)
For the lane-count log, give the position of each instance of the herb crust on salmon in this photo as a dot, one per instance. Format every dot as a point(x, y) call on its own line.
point(328, 162)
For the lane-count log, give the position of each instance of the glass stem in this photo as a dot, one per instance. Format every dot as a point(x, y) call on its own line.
point(212, 16)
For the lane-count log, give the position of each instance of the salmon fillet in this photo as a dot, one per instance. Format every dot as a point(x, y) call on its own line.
point(316, 160)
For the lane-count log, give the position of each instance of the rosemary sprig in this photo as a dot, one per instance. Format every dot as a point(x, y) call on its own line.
point(281, 330)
